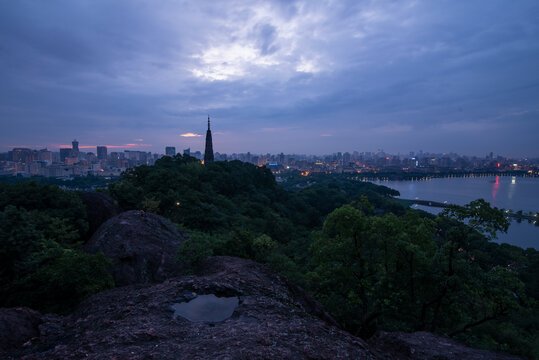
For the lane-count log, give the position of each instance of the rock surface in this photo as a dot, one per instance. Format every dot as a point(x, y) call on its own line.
point(17, 326)
point(142, 247)
point(99, 208)
point(428, 346)
point(273, 320)
point(136, 322)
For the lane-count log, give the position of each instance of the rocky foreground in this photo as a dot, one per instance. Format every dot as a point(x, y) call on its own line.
point(274, 320)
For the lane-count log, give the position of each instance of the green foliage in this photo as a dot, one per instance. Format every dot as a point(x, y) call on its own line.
point(42, 264)
point(194, 250)
point(18, 238)
point(368, 267)
point(89, 182)
point(262, 247)
point(479, 216)
point(47, 199)
point(223, 196)
point(150, 204)
point(413, 273)
point(56, 279)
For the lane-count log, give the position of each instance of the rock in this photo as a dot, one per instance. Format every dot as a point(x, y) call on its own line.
point(142, 247)
point(136, 322)
point(272, 320)
point(99, 208)
point(17, 327)
point(428, 346)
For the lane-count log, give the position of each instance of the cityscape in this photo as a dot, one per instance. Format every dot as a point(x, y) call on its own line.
point(72, 161)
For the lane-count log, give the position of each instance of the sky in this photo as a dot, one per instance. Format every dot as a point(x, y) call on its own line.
point(308, 77)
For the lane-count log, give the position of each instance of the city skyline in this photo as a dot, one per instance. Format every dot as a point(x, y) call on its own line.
point(171, 150)
point(293, 77)
point(198, 147)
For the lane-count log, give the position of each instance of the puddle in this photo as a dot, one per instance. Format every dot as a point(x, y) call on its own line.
point(208, 308)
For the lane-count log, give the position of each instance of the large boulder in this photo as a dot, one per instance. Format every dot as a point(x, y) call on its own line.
point(428, 346)
point(271, 321)
point(17, 326)
point(99, 208)
point(142, 247)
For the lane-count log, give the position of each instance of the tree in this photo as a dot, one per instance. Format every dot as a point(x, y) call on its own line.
point(42, 264)
point(400, 273)
point(457, 225)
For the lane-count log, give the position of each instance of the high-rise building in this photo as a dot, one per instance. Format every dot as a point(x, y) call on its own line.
point(102, 152)
point(22, 155)
point(75, 150)
point(65, 153)
point(45, 155)
point(75, 144)
point(187, 151)
point(170, 151)
point(208, 152)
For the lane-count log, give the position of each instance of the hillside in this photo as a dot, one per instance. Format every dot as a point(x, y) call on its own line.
point(372, 264)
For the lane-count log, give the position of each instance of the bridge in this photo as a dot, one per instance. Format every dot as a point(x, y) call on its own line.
point(519, 215)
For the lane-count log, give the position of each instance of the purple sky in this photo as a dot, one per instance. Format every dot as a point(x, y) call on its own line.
point(293, 76)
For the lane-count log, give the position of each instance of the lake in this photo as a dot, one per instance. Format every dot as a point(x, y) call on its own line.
point(504, 192)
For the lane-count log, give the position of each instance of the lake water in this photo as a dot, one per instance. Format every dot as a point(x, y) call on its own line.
point(504, 192)
point(206, 308)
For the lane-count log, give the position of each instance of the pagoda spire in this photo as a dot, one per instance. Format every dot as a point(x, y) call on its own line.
point(208, 153)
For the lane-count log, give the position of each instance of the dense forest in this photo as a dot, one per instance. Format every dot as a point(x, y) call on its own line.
point(372, 263)
point(86, 183)
point(42, 264)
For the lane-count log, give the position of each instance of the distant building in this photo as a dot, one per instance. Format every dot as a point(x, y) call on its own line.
point(187, 151)
point(22, 155)
point(71, 160)
point(75, 150)
point(197, 154)
point(170, 151)
point(65, 153)
point(208, 151)
point(45, 155)
point(91, 158)
point(75, 145)
point(102, 152)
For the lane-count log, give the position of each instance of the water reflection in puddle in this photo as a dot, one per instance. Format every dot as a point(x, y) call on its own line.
point(208, 308)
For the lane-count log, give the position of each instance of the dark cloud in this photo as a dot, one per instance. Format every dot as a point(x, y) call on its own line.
point(441, 76)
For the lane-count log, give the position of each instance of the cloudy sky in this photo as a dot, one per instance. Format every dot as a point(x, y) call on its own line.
point(293, 76)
